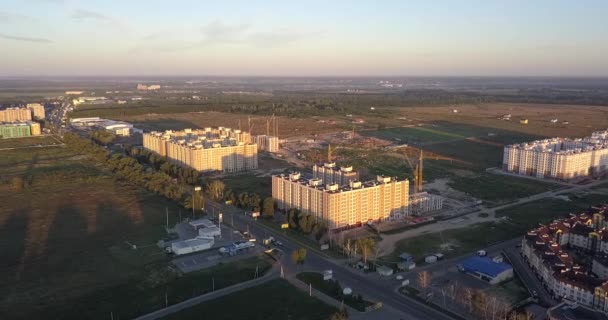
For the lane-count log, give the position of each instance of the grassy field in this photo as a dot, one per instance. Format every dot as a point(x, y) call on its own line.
point(274, 300)
point(333, 289)
point(413, 135)
point(249, 183)
point(63, 238)
point(520, 219)
point(495, 189)
point(134, 298)
point(28, 141)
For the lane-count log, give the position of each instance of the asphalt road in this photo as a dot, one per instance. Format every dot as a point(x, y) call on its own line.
point(527, 276)
point(316, 260)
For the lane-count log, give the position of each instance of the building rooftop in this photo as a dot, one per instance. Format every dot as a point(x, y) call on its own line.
point(335, 188)
point(485, 265)
point(596, 141)
point(565, 311)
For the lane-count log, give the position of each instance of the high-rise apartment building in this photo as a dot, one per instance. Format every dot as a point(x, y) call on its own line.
point(382, 199)
point(329, 173)
point(37, 110)
point(15, 114)
point(209, 149)
point(559, 158)
point(267, 143)
point(19, 129)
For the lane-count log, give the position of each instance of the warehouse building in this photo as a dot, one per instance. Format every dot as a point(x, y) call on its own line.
point(209, 149)
point(486, 269)
point(19, 129)
point(340, 206)
point(119, 128)
point(559, 158)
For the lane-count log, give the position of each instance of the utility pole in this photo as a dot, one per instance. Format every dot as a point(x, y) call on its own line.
point(167, 215)
point(212, 284)
point(166, 299)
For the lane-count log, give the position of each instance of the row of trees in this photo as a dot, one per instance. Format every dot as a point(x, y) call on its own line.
point(159, 163)
point(483, 305)
point(127, 168)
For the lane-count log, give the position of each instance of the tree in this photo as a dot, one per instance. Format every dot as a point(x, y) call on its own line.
point(268, 207)
point(366, 245)
point(292, 217)
point(215, 188)
point(102, 137)
point(306, 223)
point(424, 279)
point(298, 256)
point(17, 183)
point(231, 197)
point(340, 315)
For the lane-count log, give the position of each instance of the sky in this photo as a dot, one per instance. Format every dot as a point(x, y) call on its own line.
point(304, 38)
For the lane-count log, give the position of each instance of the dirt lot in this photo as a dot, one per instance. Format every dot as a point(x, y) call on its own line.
point(288, 127)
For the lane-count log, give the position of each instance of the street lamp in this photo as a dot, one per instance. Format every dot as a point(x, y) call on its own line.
point(196, 190)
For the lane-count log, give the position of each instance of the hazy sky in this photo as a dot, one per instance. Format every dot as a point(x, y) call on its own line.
point(229, 37)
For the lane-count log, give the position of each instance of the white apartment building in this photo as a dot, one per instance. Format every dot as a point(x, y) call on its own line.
point(267, 143)
point(209, 149)
point(329, 173)
point(378, 200)
point(559, 158)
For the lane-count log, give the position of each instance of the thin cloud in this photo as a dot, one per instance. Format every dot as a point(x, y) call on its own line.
point(82, 14)
point(219, 32)
point(6, 16)
point(275, 39)
point(25, 39)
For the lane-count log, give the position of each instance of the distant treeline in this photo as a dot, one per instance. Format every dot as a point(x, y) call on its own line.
point(314, 103)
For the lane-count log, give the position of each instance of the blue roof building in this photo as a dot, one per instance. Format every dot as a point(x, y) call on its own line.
point(486, 269)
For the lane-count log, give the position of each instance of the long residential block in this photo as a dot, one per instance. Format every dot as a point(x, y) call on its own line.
point(209, 149)
point(379, 200)
point(559, 158)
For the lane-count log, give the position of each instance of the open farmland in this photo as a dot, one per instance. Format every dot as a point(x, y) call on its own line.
point(288, 127)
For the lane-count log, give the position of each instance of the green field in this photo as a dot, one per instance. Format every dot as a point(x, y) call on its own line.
point(413, 135)
point(521, 218)
point(273, 300)
point(249, 183)
point(443, 131)
point(495, 189)
point(135, 298)
point(28, 141)
point(64, 228)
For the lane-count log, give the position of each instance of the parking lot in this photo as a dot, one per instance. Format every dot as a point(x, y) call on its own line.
point(208, 258)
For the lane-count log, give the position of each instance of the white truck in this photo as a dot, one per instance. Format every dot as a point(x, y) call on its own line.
point(190, 246)
point(236, 248)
